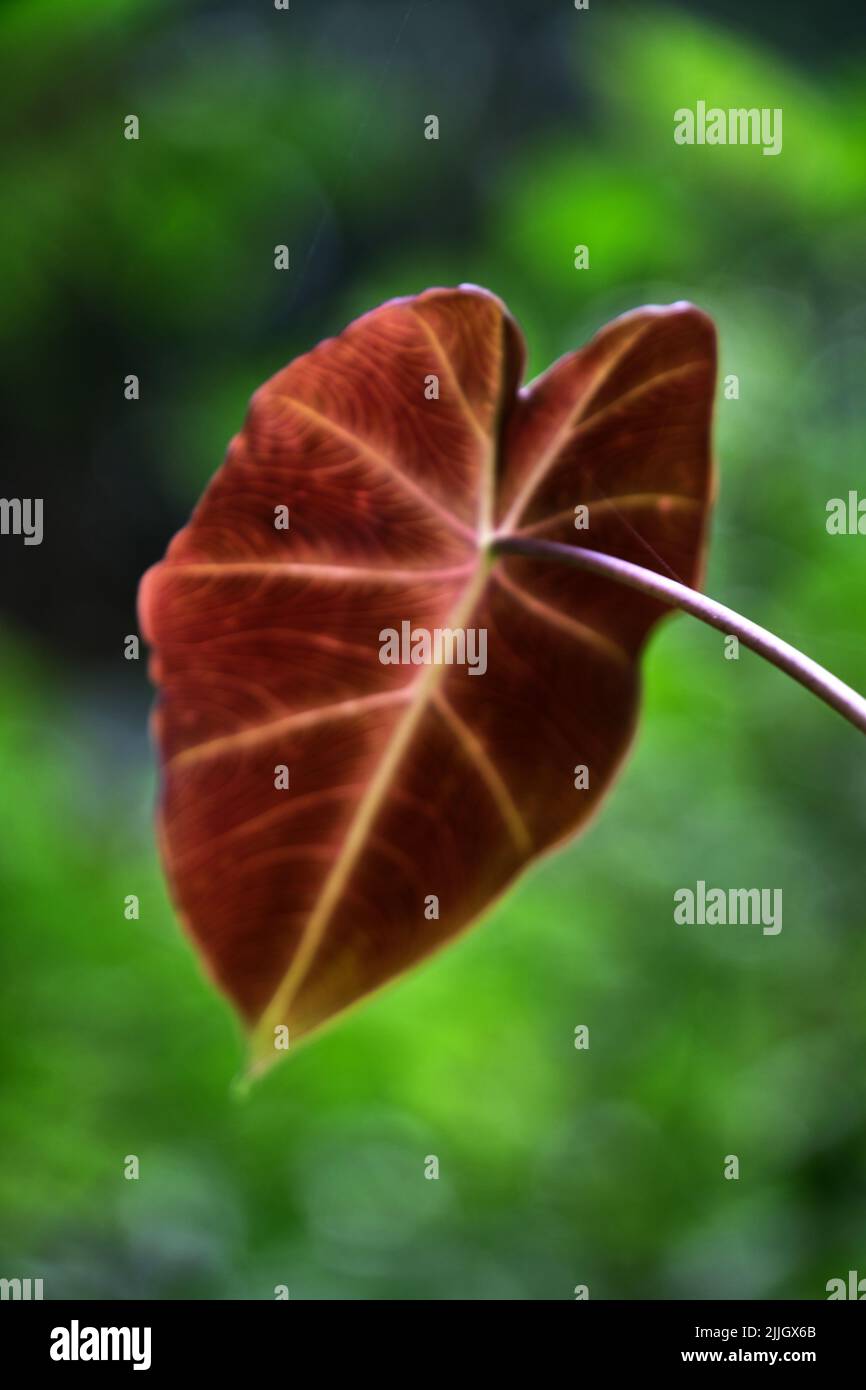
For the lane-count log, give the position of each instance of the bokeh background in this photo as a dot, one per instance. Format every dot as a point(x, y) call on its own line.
point(558, 1167)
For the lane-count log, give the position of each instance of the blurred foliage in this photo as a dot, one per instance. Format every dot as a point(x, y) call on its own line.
point(558, 1167)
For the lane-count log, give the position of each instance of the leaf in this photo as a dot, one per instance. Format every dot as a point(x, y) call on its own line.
point(410, 783)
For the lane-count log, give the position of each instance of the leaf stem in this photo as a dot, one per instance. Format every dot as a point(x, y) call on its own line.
point(821, 682)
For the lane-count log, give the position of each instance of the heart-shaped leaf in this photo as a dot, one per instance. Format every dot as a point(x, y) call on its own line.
point(330, 817)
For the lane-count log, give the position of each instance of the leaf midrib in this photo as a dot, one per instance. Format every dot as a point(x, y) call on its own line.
point(277, 1011)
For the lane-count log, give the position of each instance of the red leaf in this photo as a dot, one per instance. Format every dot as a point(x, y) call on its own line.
point(408, 782)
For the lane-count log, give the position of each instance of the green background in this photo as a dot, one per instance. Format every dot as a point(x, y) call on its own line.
point(558, 1167)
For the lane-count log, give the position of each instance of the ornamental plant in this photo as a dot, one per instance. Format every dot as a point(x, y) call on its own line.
point(398, 643)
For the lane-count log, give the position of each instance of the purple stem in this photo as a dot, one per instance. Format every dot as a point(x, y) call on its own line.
point(815, 678)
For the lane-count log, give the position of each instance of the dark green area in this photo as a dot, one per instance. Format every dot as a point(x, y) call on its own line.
point(558, 1167)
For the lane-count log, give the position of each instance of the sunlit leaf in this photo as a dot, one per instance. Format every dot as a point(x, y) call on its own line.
point(415, 793)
